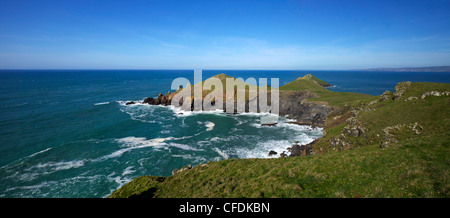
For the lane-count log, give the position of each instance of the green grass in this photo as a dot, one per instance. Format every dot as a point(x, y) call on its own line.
point(333, 98)
point(140, 187)
point(310, 83)
point(429, 112)
point(340, 98)
point(410, 169)
point(304, 84)
point(239, 86)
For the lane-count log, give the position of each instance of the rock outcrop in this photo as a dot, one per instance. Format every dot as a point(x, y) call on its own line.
point(354, 128)
point(175, 171)
point(272, 152)
point(386, 96)
point(388, 133)
point(161, 100)
point(315, 80)
point(400, 89)
point(301, 150)
point(296, 106)
point(435, 93)
point(297, 150)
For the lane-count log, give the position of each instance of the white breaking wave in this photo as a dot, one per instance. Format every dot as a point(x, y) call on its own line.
point(209, 126)
point(301, 128)
point(296, 127)
point(136, 103)
point(221, 153)
point(302, 133)
point(39, 152)
point(128, 170)
point(184, 147)
point(141, 112)
point(62, 165)
point(128, 144)
point(142, 142)
point(47, 168)
point(101, 103)
point(178, 112)
point(254, 114)
point(192, 158)
point(215, 139)
point(263, 148)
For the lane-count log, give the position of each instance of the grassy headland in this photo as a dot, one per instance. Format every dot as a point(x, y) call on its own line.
point(393, 145)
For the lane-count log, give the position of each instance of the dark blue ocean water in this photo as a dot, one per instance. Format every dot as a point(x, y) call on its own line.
point(68, 133)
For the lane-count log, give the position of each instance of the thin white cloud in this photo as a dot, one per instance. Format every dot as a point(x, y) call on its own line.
point(240, 53)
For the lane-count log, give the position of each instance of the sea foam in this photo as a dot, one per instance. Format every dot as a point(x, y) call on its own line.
point(101, 103)
point(209, 126)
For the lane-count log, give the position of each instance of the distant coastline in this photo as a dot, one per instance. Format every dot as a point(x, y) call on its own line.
point(411, 69)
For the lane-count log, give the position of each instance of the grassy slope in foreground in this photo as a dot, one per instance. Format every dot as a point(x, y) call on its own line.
point(410, 169)
point(412, 165)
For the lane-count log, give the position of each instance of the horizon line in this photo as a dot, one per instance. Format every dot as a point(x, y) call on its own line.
point(138, 69)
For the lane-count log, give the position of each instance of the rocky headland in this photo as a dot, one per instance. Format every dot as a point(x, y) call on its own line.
point(292, 103)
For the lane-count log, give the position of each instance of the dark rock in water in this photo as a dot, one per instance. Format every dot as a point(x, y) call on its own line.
point(150, 101)
point(130, 102)
point(299, 123)
point(272, 152)
point(269, 124)
point(162, 99)
point(283, 155)
point(326, 85)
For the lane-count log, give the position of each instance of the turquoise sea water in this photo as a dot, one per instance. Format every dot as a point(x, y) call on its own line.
point(68, 133)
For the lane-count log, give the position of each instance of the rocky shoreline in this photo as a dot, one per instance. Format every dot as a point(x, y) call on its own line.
point(292, 104)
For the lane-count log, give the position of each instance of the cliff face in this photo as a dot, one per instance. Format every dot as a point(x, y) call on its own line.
point(296, 106)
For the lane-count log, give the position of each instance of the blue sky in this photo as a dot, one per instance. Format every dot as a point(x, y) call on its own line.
point(162, 34)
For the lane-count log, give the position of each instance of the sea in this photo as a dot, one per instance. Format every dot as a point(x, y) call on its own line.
point(69, 133)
